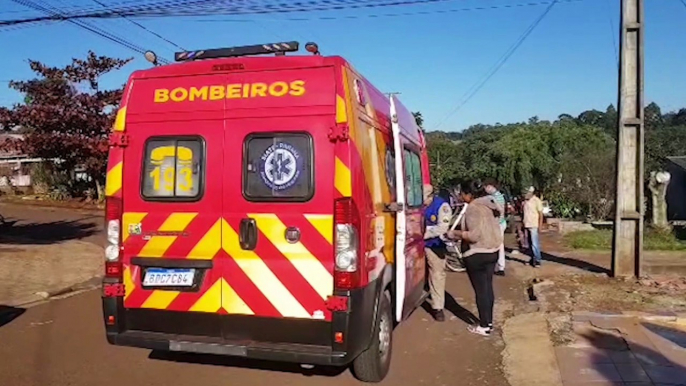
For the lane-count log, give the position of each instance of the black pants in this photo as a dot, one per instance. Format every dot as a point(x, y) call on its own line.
point(480, 267)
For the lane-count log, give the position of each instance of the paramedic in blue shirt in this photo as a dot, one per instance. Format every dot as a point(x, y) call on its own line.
point(437, 216)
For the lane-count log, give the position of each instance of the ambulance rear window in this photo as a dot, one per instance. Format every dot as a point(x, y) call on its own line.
point(172, 169)
point(278, 167)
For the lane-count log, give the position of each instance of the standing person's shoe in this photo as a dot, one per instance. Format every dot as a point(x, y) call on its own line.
point(438, 315)
point(483, 331)
point(500, 273)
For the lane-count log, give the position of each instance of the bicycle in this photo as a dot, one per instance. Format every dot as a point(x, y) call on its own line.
point(453, 260)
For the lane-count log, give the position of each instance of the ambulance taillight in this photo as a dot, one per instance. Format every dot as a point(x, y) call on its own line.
point(113, 266)
point(347, 245)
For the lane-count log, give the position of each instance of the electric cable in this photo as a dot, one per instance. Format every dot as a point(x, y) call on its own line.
point(214, 7)
point(497, 65)
point(399, 14)
point(89, 27)
point(145, 28)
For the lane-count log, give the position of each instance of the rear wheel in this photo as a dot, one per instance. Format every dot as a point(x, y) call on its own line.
point(373, 364)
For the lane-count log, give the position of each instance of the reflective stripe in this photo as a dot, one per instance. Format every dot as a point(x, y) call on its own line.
point(307, 265)
point(342, 179)
point(324, 225)
point(263, 278)
point(113, 180)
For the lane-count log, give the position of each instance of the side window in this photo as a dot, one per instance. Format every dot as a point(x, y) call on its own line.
point(172, 169)
point(278, 167)
point(390, 170)
point(413, 179)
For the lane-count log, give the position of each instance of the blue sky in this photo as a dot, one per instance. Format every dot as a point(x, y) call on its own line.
point(568, 64)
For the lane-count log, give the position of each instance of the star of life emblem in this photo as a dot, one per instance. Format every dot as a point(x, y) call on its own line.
point(281, 165)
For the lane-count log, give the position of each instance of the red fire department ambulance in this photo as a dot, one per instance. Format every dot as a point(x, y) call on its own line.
point(263, 207)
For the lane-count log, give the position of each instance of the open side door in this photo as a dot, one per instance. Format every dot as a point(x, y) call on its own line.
point(400, 217)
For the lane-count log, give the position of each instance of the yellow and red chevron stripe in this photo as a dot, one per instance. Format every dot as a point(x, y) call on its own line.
point(115, 173)
point(277, 279)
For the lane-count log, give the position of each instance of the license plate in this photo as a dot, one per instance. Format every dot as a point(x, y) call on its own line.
point(160, 277)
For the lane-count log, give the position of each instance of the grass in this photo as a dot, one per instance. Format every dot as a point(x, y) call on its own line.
point(602, 239)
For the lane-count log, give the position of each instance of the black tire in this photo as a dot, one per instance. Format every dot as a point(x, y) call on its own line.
point(373, 364)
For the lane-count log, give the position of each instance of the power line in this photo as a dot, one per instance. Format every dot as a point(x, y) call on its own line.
point(399, 14)
point(89, 27)
point(145, 28)
point(494, 69)
point(613, 31)
point(214, 7)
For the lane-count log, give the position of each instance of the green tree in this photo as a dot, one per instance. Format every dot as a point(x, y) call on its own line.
point(67, 116)
point(591, 117)
point(653, 116)
point(419, 119)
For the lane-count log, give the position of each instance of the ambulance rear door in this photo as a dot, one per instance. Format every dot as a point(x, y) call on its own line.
point(172, 198)
point(278, 205)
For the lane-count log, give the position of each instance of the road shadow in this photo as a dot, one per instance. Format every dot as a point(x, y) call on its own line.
point(9, 314)
point(254, 364)
point(618, 360)
point(675, 336)
point(575, 263)
point(525, 258)
point(452, 306)
point(29, 233)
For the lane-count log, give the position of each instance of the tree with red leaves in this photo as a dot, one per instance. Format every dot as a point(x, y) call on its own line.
point(65, 116)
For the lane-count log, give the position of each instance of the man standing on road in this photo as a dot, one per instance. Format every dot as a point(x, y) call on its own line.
point(533, 221)
point(491, 187)
point(437, 216)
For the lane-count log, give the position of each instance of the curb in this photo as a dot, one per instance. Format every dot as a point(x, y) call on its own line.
point(41, 297)
point(671, 317)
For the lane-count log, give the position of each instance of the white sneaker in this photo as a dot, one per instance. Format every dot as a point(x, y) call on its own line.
point(483, 331)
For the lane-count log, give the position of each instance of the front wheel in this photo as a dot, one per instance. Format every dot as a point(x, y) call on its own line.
point(373, 364)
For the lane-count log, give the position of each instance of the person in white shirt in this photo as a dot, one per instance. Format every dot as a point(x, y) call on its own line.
point(533, 221)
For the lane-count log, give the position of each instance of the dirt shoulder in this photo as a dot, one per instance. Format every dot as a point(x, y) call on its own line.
point(42, 202)
point(30, 272)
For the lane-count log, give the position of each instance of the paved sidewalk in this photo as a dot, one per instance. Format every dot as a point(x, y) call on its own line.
point(623, 350)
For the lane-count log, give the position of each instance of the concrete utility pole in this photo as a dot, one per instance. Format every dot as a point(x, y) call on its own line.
point(627, 249)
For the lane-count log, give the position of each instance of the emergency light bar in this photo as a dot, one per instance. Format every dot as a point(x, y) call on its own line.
point(260, 49)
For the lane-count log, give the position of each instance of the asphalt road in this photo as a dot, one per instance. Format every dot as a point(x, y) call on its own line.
point(62, 342)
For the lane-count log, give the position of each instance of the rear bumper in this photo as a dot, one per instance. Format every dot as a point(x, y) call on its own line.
point(304, 341)
point(306, 354)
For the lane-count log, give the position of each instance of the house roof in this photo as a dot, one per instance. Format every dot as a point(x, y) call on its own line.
point(5, 153)
point(679, 161)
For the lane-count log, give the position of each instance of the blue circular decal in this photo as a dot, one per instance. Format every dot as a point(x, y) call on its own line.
point(281, 165)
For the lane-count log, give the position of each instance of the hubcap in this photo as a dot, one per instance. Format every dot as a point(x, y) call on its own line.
point(384, 336)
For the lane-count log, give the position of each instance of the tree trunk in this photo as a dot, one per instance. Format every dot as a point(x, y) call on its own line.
point(100, 190)
point(658, 188)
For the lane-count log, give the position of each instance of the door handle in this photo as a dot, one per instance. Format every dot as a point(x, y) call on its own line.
point(248, 234)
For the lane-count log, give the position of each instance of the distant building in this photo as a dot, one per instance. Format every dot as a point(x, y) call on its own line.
point(15, 166)
point(676, 190)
